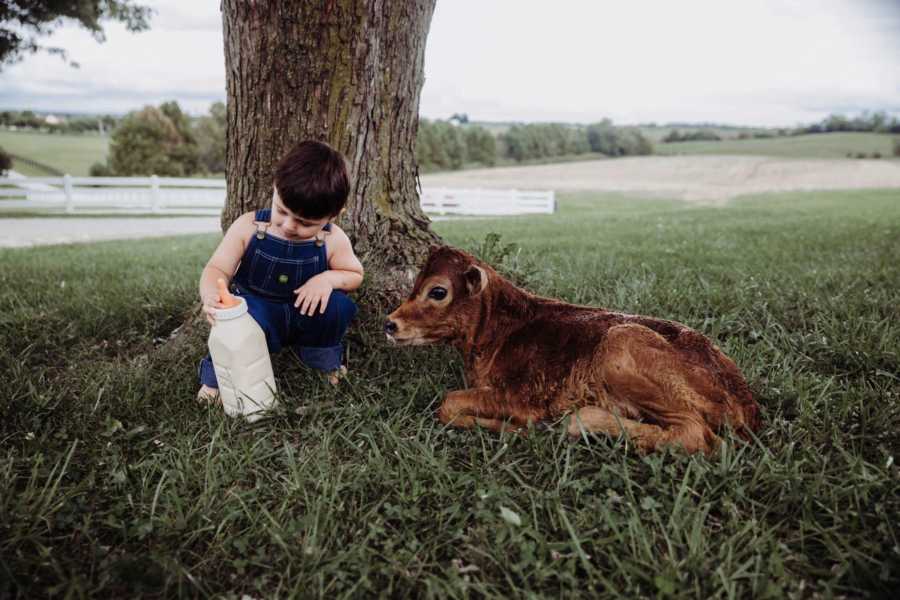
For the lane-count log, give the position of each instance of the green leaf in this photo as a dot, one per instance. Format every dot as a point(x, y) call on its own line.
point(510, 517)
point(665, 585)
point(648, 503)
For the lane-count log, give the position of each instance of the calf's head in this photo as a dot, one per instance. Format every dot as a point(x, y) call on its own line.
point(444, 302)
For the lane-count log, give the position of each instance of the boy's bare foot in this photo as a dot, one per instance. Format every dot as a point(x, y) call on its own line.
point(334, 377)
point(208, 395)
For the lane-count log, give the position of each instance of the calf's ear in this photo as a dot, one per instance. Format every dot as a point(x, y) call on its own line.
point(476, 280)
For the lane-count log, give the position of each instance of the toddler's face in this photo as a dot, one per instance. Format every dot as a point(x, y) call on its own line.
point(292, 226)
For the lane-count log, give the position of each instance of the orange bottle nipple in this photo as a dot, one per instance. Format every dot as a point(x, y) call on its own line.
point(225, 296)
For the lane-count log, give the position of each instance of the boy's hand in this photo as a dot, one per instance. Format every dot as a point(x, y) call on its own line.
point(314, 293)
point(211, 302)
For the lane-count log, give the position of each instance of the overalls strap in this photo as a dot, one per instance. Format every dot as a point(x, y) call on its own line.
point(262, 218)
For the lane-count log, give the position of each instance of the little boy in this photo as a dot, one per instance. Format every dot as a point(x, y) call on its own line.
point(289, 261)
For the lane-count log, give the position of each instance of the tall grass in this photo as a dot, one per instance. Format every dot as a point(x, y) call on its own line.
point(114, 483)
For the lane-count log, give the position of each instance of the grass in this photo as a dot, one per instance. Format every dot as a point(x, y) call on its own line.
point(821, 145)
point(72, 154)
point(113, 483)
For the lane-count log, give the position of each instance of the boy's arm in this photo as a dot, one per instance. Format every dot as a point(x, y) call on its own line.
point(224, 261)
point(345, 272)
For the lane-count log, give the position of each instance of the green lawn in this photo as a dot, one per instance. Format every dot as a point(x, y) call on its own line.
point(113, 483)
point(72, 154)
point(820, 145)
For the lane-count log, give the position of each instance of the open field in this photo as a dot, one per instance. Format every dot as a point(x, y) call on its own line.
point(695, 178)
point(820, 145)
point(113, 483)
point(72, 154)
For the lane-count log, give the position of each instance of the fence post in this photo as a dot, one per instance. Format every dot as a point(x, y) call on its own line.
point(154, 193)
point(70, 197)
point(552, 203)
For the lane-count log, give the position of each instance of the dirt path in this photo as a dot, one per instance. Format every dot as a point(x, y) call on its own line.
point(27, 232)
point(694, 178)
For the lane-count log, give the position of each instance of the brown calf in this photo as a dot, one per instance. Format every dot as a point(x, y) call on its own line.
point(530, 359)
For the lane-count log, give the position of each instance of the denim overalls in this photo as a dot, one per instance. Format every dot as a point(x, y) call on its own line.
point(270, 270)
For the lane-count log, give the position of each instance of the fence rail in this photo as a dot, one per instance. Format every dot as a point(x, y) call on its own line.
point(174, 195)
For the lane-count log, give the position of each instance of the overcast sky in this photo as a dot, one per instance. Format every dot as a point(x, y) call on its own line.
point(746, 62)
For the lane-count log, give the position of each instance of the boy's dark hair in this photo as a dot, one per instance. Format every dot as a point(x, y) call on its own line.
point(312, 180)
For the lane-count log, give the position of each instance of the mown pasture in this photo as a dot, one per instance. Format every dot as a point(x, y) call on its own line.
point(819, 145)
point(68, 153)
point(114, 483)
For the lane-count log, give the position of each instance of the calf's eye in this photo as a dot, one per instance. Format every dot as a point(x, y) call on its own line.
point(437, 293)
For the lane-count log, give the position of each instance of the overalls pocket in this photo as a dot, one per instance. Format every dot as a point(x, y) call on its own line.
point(280, 276)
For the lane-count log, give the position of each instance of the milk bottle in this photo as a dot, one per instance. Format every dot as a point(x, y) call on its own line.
point(240, 358)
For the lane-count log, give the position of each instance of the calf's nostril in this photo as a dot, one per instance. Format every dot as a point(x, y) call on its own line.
point(390, 327)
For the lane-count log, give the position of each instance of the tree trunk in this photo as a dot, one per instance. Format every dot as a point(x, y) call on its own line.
point(347, 72)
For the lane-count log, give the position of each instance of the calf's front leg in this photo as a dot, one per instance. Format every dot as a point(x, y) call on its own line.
point(477, 406)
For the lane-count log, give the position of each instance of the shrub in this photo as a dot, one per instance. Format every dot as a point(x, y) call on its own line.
point(481, 147)
point(154, 141)
point(209, 131)
point(700, 135)
point(617, 141)
point(440, 145)
point(99, 169)
point(5, 161)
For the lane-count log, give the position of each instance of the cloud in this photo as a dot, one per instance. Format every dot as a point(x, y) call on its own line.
point(126, 72)
point(768, 62)
point(178, 15)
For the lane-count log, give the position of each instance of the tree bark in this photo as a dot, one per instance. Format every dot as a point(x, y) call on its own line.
point(347, 72)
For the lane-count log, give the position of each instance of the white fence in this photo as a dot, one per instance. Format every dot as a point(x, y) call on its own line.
point(174, 195)
point(448, 201)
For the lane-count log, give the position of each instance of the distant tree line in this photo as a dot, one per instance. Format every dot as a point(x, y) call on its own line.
point(445, 145)
point(455, 143)
point(874, 122)
point(166, 141)
point(765, 134)
point(27, 119)
point(699, 135)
